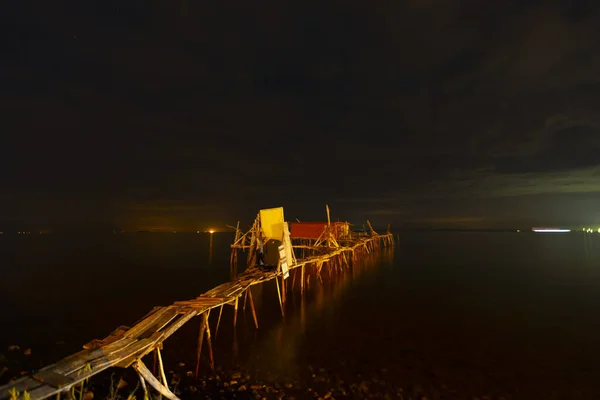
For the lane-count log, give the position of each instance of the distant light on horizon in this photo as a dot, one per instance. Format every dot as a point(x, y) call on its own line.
point(550, 230)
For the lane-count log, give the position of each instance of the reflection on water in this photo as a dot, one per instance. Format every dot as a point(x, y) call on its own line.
point(272, 350)
point(591, 243)
point(210, 247)
point(320, 302)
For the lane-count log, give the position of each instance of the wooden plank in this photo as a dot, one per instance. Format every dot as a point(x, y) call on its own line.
point(53, 379)
point(119, 358)
point(143, 325)
point(96, 366)
point(159, 323)
point(148, 314)
point(20, 385)
point(164, 334)
point(198, 307)
point(93, 344)
point(113, 337)
point(159, 337)
point(79, 360)
point(213, 298)
point(120, 330)
point(202, 301)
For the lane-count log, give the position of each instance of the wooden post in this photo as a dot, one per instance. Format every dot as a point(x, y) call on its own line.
point(154, 364)
point(232, 263)
point(235, 311)
point(162, 368)
point(209, 342)
point(219, 321)
point(252, 306)
point(279, 295)
point(199, 348)
point(143, 382)
point(283, 294)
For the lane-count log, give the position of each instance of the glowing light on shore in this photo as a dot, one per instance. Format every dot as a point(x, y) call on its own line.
point(211, 231)
point(550, 230)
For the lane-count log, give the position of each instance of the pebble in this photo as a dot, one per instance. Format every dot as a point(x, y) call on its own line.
point(88, 396)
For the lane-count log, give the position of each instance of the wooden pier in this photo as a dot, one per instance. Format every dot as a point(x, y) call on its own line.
point(127, 346)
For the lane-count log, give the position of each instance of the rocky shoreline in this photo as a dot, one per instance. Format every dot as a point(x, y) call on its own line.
point(310, 383)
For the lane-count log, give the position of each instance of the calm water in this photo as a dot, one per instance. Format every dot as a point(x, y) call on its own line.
point(466, 313)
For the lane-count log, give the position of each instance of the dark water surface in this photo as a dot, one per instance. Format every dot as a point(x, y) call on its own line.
point(469, 314)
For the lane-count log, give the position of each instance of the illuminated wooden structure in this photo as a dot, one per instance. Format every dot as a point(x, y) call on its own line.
point(126, 346)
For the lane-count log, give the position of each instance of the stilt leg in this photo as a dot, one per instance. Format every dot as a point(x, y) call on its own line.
point(252, 307)
point(283, 294)
point(235, 311)
point(294, 279)
point(154, 364)
point(199, 349)
point(162, 368)
point(144, 387)
point(279, 295)
point(218, 321)
point(209, 342)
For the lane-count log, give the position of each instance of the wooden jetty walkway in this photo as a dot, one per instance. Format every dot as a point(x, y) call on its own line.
point(126, 346)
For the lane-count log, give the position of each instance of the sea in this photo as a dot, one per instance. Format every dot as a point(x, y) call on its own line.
point(439, 315)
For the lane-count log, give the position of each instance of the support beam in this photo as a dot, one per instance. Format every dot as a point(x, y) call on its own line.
point(252, 306)
point(143, 383)
point(199, 348)
point(145, 374)
point(279, 295)
point(219, 321)
point(209, 342)
point(235, 311)
point(162, 368)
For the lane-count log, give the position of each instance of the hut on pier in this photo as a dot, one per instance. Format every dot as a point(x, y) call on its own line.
point(315, 230)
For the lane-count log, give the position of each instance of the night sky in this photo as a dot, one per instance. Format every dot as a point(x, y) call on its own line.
point(178, 114)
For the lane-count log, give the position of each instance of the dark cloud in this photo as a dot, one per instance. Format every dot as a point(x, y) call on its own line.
point(372, 108)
